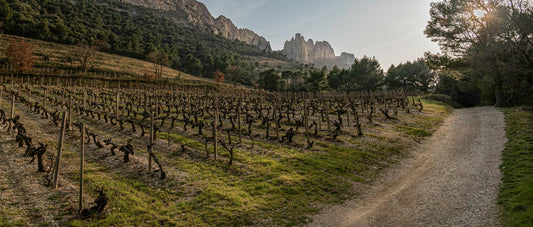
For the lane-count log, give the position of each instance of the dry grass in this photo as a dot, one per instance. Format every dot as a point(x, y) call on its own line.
point(58, 55)
point(272, 63)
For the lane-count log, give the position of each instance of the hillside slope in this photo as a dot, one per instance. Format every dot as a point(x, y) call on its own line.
point(132, 31)
point(54, 55)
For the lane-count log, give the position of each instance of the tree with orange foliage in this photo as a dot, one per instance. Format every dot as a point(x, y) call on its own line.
point(219, 77)
point(20, 55)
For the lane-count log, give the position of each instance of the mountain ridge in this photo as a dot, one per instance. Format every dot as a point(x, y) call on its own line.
point(198, 15)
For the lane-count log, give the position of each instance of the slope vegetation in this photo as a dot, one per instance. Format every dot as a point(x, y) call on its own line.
point(58, 56)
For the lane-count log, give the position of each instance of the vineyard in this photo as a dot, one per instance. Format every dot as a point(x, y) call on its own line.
point(160, 153)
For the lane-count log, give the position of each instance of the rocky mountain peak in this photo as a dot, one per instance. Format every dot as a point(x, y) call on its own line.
point(345, 59)
point(199, 16)
point(304, 51)
point(319, 53)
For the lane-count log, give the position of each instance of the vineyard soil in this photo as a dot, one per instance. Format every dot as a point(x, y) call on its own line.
point(270, 181)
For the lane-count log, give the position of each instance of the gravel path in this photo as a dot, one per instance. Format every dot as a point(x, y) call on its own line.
point(452, 179)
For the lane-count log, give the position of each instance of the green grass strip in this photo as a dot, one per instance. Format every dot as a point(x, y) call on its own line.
point(516, 195)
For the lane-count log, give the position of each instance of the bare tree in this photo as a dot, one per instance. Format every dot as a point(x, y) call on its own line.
point(83, 53)
point(160, 59)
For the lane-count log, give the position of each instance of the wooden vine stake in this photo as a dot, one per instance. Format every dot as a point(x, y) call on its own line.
point(118, 96)
point(276, 117)
point(84, 99)
point(306, 122)
point(12, 106)
point(70, 113)
point(82, 151)
point(10, 129)
point(239, 119)
point(55, 175)
point(215, 134)
point(327, 117)
point(152, 135)
point(347, 114)
point(45, 97)
point(145, 99)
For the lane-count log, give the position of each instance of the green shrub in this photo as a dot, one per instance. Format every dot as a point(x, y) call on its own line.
point(446, 99)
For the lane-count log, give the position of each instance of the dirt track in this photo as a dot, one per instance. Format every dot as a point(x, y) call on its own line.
point(452, 179)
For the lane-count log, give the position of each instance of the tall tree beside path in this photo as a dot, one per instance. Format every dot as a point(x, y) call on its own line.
point(487, 45)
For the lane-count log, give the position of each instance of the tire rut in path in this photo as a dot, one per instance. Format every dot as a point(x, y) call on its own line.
point(452, 179)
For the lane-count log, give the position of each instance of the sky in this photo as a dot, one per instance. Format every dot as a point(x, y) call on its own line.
point(390, 30)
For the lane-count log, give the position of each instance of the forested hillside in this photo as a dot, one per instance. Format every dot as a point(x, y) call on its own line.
point(130, 31)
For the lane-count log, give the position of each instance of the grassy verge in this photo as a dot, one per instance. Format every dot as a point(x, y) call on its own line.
point(516, 195)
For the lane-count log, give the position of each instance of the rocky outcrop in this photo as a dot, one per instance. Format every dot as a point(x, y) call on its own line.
point(303, 51)
point(323, 51)
point(225, 27)
point(199, 16)
point(345, 60)
point(318, 53)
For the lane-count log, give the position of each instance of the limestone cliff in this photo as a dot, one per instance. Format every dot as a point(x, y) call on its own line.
point(304, 51)
point(225, 27)
point(199, 16)
point(318, 53)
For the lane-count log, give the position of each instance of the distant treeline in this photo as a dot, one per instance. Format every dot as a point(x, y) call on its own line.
point(365, 74)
